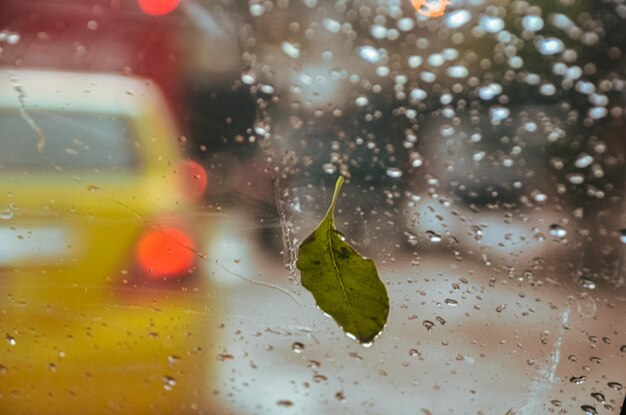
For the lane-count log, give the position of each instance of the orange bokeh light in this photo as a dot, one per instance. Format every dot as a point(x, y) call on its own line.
point(429, 8)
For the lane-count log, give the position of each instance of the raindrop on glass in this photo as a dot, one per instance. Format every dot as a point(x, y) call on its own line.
point(168, 383)
point(589, 410)
point(428, 324)
point(394, 172)
point(329, 168)
point(598, 397)
point(369, 54)
point(11, 340)
point(532, 23)
point(297, 347)
point(557, 231)
point(550, 46)
point(491, 24)
point(583, 161)
point(457, 18)
point(433, 237)
point(587, 283)
point(615, 386)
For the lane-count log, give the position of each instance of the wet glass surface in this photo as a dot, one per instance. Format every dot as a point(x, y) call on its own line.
point(482, 146)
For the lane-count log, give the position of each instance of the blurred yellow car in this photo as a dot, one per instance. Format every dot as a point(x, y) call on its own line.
point(101, 306)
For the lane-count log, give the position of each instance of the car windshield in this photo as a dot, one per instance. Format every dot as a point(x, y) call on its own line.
point(347, 207)
point(53, 139)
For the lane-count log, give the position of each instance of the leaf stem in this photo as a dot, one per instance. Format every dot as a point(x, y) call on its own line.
point(331, 208)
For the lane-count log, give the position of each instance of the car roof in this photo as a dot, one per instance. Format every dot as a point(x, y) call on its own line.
point(76, 91)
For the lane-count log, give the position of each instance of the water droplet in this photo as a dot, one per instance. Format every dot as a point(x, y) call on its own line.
point(415, 61)
point(369, 54)
point(583, 161)
point(622, 236)
point(318, 378)
point(491, 24)
point(329, 168)
point(313, 364)
point(414, 352)
point(267, 89)
point(587, 283)
point(405, 24)
point(331, 25)
point(290, 50)
point(575, 178)
point(550, 46)
point(418, 94)
point(597, 112)
point(428, 324)
point(458, 72)
point(498, 114)
point(52, 367)
point(297, 347)
point(11, 340)
point(168, 383)
point(223, 357)
point(256, 9)
point(490, 91)
point(451, 302)
point(248, 78)
point(457, 18)
point(478, 232)
point(284, 403)
point(615, 386)
point(441, 320)
point(577, 380)
point(361, 101)
point(394, 172)
point(340, 396)
point(598, 397)
point(623, 348)
point(378, 31)
point(433, 237)
point(173, 359)
point(557, 231)
point(6, 214)
point(589, 410)
point(532, 23)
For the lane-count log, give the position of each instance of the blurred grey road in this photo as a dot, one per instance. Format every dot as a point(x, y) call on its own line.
point(462, 338)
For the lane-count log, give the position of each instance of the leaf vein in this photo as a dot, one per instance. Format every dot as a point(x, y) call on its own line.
point(338, 274)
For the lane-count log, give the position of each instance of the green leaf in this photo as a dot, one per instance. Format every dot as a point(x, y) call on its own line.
point(345, 285)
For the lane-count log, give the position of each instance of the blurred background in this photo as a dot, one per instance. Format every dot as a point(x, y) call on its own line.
point(161, 161)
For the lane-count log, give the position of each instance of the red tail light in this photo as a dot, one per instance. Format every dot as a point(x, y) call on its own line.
point(158, 7)
point(166, 253)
